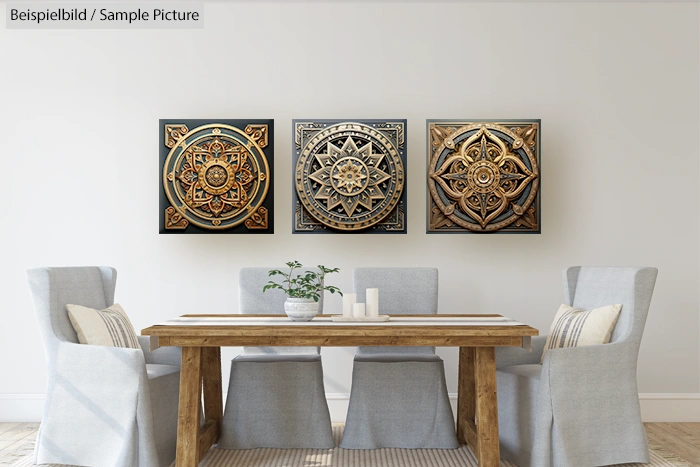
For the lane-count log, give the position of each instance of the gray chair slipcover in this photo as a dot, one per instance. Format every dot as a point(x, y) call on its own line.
point(399, 395)
point(276, 397)
point(580, 408)
point(105, 406)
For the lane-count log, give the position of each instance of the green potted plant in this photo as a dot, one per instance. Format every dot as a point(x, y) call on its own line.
point(303, 289)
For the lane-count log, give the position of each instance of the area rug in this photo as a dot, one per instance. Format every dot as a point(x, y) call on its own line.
point(462, 457)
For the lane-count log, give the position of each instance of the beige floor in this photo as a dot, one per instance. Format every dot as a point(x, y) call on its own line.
point(681, 439)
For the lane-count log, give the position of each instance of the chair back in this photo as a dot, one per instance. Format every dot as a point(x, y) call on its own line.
point(403, 291)
point(54, 288)
point(252, 300)
point(406, 291)
point(589, 287)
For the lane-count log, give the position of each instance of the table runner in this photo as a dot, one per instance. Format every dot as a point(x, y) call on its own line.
point(326, 321)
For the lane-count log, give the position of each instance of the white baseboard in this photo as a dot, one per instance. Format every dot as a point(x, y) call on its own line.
point(671, 407)
point(21, 407)
point(656, 407)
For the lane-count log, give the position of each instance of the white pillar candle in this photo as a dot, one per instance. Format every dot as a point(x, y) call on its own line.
point(349, 300)
point(372, 303)
point(358, 310)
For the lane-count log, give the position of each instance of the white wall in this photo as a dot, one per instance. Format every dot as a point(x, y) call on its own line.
point(615, 84)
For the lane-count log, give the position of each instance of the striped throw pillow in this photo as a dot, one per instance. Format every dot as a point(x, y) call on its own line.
point(573, 327)
point(110, 327)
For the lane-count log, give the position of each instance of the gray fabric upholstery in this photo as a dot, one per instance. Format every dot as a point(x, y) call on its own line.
point(105, 407)
point(251, 298)
point(276, 402)
point(399, 396)
point(162, 355)
point(399, 404)
point(517, 388)
point(164, 390)
point(580, 408)
point(508, 356)
point(253, 301)
point(277, 358)
point(403, 291)
point(276, 397)
point(388, 358)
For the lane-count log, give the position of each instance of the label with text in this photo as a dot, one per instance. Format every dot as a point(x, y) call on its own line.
point(105, 16)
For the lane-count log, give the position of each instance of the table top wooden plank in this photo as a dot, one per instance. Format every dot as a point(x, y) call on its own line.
point(400, 326)
point(291, 331)
point(341, 341)
point(277, 321)
point(439, 315)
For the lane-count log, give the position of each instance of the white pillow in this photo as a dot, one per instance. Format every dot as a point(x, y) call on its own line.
point(573, 327)
point(110, 327)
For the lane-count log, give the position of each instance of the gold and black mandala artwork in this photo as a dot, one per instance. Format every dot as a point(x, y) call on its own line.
point(484, 176)
point(349, 176)
point(216, 176)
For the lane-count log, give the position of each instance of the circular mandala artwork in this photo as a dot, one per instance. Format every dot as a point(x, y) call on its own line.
point(483, 177)
point(216, 176)
point(349, 176)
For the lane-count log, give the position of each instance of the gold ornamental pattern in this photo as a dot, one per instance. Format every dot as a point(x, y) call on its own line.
point(483, 176)
point(349, 176)
point(216, 176)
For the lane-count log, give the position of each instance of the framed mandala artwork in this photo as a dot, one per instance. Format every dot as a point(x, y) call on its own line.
point(349, 176)
point(483, 176)
point(216, 176)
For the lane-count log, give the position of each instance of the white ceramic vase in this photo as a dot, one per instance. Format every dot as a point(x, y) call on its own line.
point(301, 309)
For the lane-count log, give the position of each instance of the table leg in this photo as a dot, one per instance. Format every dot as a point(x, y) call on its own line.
point(466, 400)
point(190, 404)
point(477, 405)
point(213, 404)
point(486, 407)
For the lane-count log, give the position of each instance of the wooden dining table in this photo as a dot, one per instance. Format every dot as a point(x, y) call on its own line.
point(202, 336)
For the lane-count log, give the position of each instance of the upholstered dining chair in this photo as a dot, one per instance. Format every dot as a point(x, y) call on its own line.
point(276, 397)
point(580, 407)
point(399, 395)
point(105, 406)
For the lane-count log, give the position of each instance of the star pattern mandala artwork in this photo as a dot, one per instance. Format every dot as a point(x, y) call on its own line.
point(349, 176)
point(216, 176)
point(483, 176)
